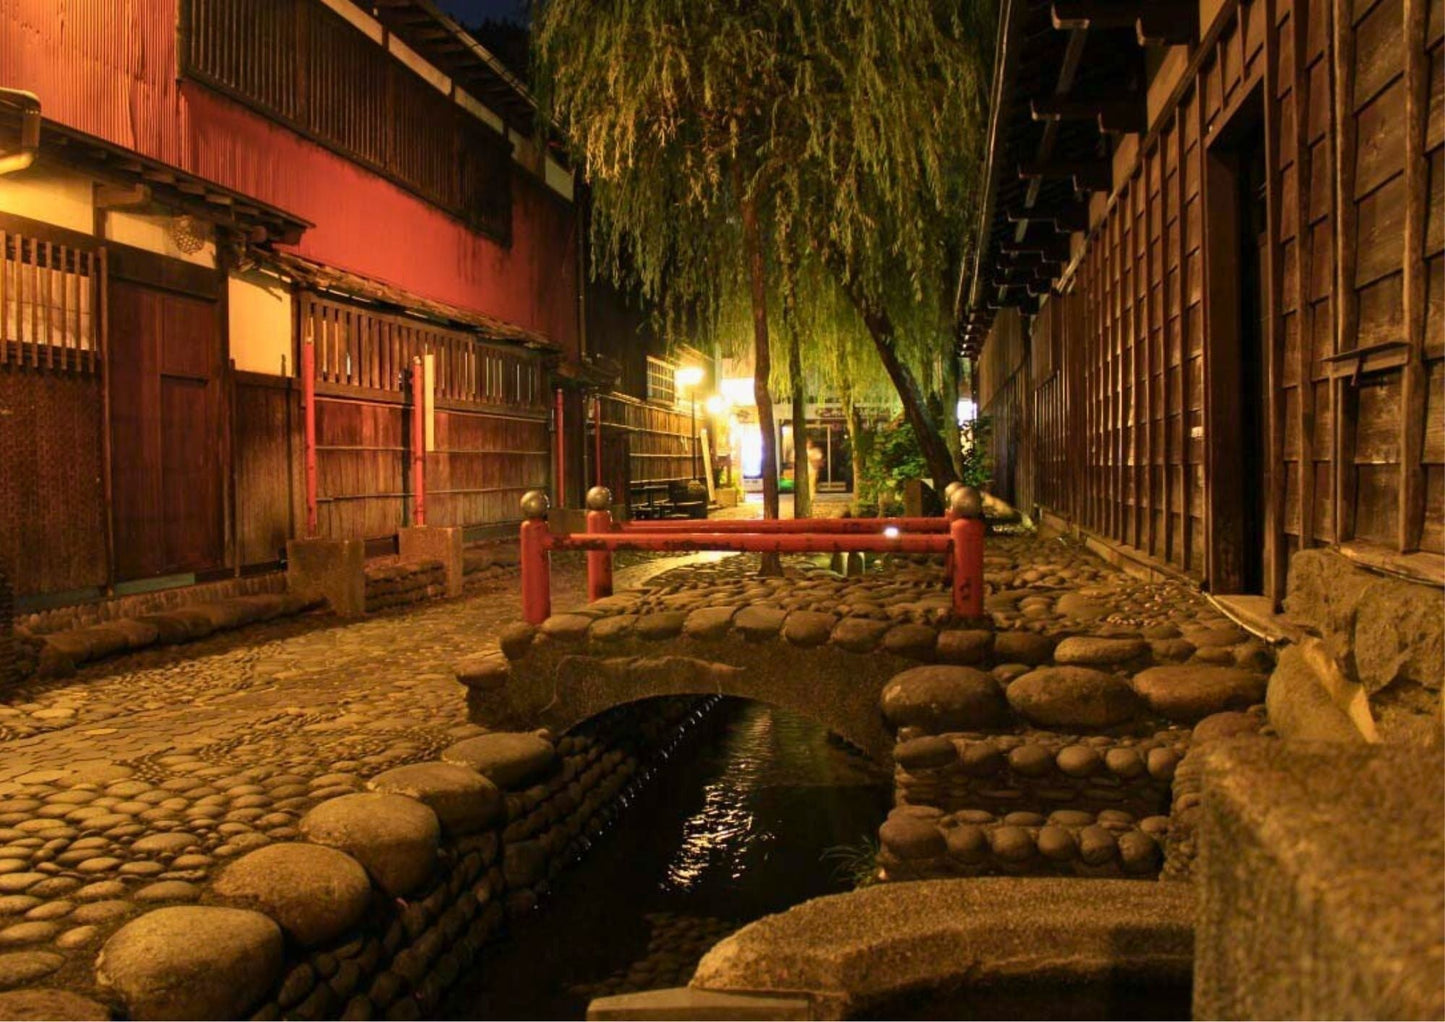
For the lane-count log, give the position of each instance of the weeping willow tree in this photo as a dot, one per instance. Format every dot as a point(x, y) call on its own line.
point(735, 145)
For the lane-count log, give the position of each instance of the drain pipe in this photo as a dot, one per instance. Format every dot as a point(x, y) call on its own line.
point(28, 104)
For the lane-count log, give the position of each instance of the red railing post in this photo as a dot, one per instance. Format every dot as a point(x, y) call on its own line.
point(967, 537)
point(308, 400)
point(418, 441)
point(535, 559)
point(599, 562)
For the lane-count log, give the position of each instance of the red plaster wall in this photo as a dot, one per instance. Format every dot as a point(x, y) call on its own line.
point(109, 68)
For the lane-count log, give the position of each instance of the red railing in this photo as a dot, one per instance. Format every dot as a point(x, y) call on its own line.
point(958, 537)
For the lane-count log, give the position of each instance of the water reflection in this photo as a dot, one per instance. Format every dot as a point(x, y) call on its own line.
point(735, 827)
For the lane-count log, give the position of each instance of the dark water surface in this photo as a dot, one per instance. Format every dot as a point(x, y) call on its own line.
point(736, 825)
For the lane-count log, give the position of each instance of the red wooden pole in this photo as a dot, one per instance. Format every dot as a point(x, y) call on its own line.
point(561, 453)
point(599, 562)
point(842, 526)
point(798, 543)
point(967, 536)
point(418, 442)
point(308, 400)
point(536, 564)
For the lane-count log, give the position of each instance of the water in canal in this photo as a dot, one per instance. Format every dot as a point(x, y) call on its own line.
point(747, 818)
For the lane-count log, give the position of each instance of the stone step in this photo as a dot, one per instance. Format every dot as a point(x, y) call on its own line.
point(917, 842)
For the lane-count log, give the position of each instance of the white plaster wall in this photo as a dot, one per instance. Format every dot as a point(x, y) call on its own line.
point(260, 324)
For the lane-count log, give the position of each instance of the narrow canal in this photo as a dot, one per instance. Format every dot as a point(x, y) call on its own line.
point(758, 809)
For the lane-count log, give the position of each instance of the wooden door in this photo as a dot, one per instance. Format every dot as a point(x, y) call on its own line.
point(166, 432)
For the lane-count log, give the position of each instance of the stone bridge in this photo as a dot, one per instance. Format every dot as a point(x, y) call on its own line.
point(786, 642)
point(562, 679)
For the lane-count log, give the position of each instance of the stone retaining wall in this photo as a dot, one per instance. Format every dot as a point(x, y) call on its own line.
point(83, 615)
point(399, 583)
point(387, 896)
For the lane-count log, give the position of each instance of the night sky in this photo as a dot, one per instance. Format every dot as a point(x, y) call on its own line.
point(470, 12)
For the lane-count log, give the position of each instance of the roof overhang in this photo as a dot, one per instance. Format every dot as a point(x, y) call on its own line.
point(328, 279)
point(437, 37)
point(254, 221)
point(1069, 78)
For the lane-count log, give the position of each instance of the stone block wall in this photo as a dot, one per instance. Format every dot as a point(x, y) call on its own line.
point(83, 615)
point(1386, 633)
point(388, 896)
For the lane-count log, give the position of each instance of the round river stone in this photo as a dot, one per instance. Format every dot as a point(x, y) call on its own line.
point(315, 893)
point(1072, 697)
point(1190, 692)
point(463, 799)
point(1091, 650)
point(394, 837)
point(507, 758)
point(192, 962)
point(943, 697)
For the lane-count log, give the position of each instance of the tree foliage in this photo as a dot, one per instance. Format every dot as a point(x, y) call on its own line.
point(851, 130)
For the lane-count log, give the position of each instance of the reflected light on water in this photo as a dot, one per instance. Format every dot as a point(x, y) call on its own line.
point(723, 836)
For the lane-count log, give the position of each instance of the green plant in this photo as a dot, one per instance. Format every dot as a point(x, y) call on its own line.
point(975, 440)
point(856, 863)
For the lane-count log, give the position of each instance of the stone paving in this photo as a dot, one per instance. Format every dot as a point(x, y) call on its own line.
point(126, 786)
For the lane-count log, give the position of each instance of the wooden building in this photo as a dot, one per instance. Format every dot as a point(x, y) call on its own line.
point(219, 185)
point(1208, 298)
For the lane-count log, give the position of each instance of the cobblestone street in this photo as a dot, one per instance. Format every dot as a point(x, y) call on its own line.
point(124, 786)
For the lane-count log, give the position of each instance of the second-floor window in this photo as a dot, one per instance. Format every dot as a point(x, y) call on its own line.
point(304, 65)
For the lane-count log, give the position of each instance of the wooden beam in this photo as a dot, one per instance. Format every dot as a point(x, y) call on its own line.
point(1346, 303)
point(1417, 187)
point(1088, 175)
point(1065, 219)
point(1304, 272)
point(1275, 559)
point(1087, 14)
point(1053, 248)
point(1169, 23)
point(1124, 112)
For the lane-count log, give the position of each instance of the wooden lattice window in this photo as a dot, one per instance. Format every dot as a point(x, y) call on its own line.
point(49, 294)
point(661, 381)
point(373, 351)
point(304, 65)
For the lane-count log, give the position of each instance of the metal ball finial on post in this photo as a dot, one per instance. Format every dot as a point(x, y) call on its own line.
point(966, 502)
point(948, 492)
point(599, 498)
point(536, 561)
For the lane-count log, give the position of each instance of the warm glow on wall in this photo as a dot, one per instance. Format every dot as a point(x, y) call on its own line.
point(688, 377)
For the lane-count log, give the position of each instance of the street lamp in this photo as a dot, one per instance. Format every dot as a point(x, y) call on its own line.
point(688, 377)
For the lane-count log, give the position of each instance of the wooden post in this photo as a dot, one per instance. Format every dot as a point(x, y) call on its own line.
point(1417, 184)
point(560, 447)
point(100, 341)
point(308, 401)
point(418, 441)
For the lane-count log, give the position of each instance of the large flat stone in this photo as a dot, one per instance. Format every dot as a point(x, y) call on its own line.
point(463, 799)
point(977, 945)
point(1072, 697)
point(1320, 871)
point(1191, 692)
point(944, 697)
point(508, 759)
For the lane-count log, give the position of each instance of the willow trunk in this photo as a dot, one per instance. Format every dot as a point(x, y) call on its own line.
point(770, 564)
point(802, 477)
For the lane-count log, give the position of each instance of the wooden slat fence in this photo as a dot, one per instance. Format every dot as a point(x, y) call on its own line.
point(660, 440)
point(52, 344)
point(491, 425)
point(1353, 262)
